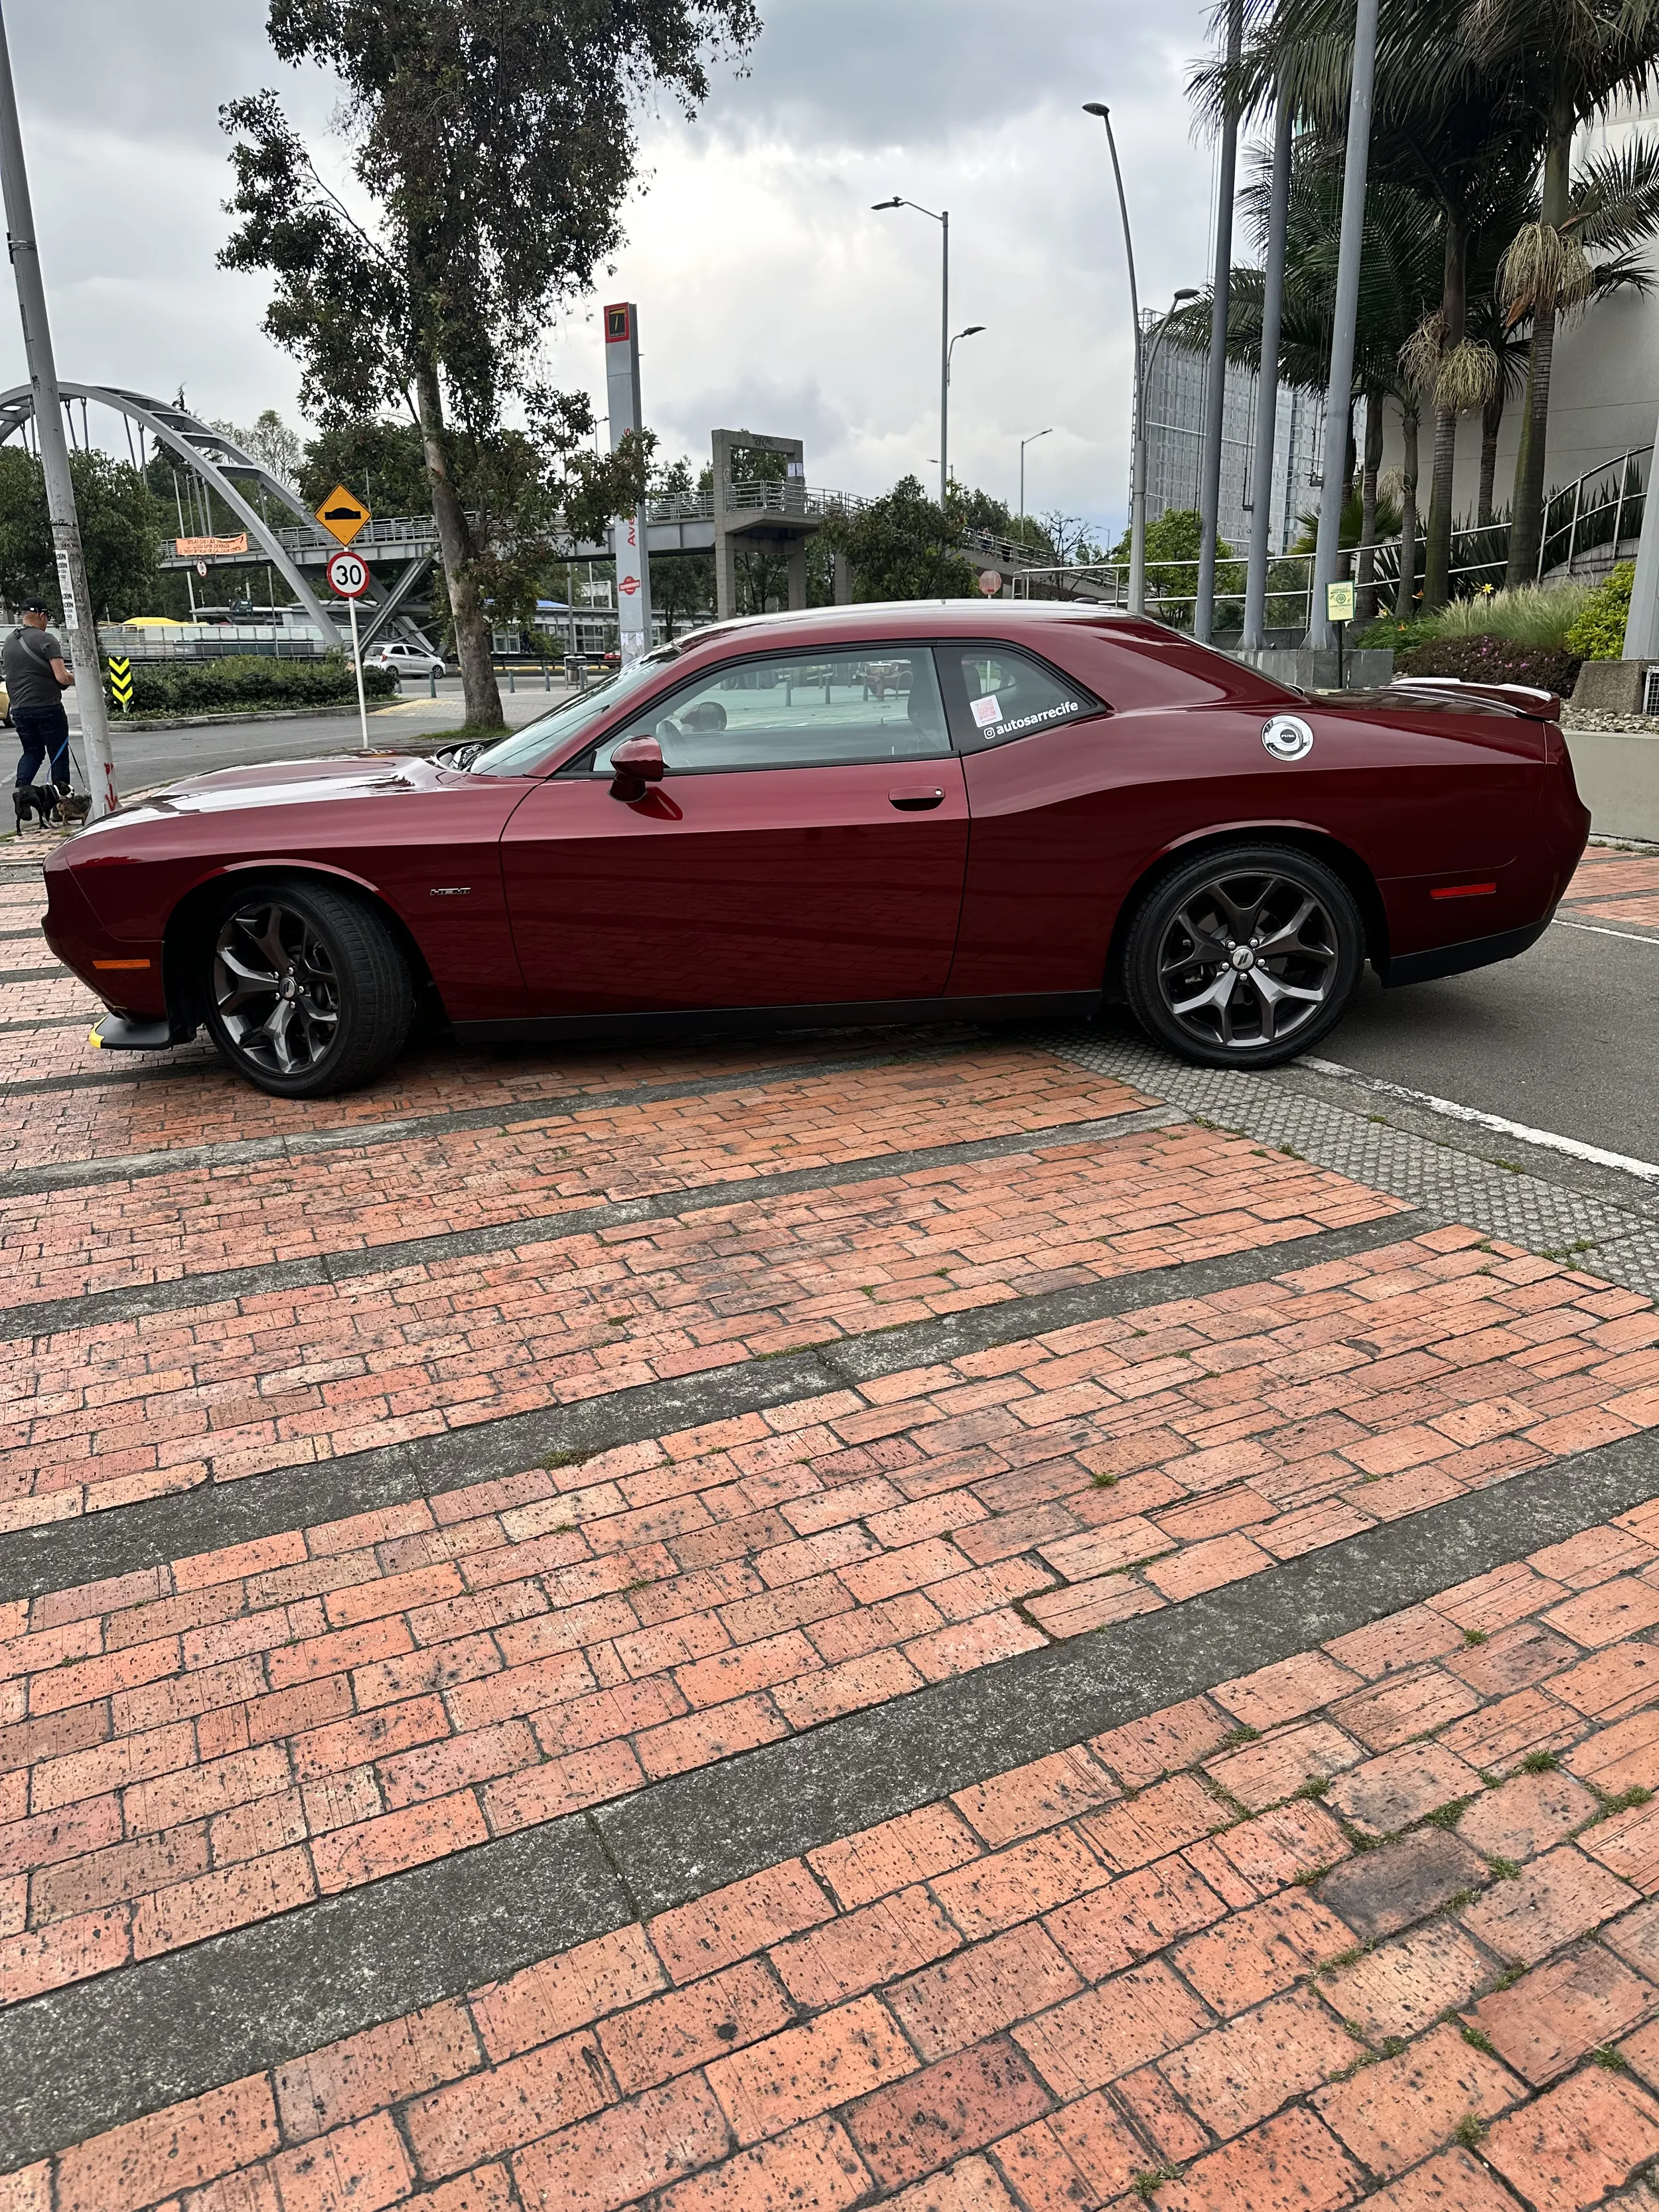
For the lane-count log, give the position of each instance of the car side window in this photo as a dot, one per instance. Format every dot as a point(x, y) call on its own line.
point(1009, 695)
point(811, 710)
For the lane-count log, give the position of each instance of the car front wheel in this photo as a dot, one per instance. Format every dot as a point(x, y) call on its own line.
point(306, 991)
point(1245, 956)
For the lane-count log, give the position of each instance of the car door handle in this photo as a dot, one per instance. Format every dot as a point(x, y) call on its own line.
point(915, 802)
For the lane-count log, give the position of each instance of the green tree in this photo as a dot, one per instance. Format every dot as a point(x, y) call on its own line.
point(903, 546)
point(377, 457)
point(271, 443)
point(121, 527)
point(493, 149)
point(1173, 545)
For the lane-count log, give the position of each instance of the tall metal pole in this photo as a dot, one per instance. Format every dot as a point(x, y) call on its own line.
point(945, 357)
point(1215, 384)
point(1024, 443)
point(1266, 399)
point(1138, 425)
point(1641, 624)
point(1339, 397)
point(80, 623)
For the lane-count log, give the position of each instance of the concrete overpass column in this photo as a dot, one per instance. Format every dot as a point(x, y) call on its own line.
point(841, 584)
point(796, 576)
point(726, 573)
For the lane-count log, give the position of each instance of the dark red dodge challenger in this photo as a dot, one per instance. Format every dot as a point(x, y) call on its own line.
point(866, 813)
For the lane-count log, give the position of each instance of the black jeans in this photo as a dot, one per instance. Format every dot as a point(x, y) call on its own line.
point(44, 730)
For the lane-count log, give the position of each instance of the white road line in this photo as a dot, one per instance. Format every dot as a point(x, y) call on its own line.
point(1547, 1139)
point(1596, 929)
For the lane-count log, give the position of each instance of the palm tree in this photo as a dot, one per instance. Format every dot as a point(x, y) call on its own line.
point(1559, 62)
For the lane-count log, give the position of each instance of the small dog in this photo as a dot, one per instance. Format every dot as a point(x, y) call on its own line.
point(36, 798)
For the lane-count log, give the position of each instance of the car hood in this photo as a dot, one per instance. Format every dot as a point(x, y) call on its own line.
point(286, 783)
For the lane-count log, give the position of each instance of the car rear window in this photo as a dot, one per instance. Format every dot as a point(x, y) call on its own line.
point(1009, 695)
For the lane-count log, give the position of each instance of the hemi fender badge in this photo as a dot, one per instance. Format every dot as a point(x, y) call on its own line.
point(450, 890)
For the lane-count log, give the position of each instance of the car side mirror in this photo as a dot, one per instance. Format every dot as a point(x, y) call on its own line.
point(636, 762)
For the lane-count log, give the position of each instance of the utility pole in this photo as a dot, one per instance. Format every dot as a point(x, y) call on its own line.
point(1339, 397)
point(1266, 394)
point(80, 622)
point(1215, 387)
point(1641, 624)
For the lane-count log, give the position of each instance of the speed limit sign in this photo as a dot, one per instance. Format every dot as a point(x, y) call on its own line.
point(348, 575)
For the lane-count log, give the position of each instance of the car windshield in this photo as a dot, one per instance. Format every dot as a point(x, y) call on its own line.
point(524, 749)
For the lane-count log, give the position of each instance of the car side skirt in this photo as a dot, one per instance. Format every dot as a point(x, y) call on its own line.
point(1025, 1005)
point(1458, 959)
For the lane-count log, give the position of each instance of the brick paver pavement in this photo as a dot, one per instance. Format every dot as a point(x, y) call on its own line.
point(1366, 1924)
point(1374, 1924)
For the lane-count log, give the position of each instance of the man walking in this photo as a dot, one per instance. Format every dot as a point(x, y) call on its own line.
point(36, 680)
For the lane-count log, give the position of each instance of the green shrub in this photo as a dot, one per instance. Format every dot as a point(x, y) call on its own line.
point(1527, 615)
point(1487, 660)
point(251, 681)
point(1530, 616)
point(1388, 634)
point(1599, 632)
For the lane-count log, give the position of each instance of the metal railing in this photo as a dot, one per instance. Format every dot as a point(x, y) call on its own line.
point(1602, 507)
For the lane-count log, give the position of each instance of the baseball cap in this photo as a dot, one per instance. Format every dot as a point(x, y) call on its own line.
point(34, 607)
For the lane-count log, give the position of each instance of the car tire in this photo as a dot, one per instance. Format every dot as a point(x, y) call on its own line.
point(352, 999)
point(1298, 928)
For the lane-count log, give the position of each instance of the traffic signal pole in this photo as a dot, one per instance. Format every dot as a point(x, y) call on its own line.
point(80, 622)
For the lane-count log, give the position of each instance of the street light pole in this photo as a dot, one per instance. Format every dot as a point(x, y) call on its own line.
point(1215, 383)
point(80, 622)
point(1137, 434)
point(943, 219)
point(1339, 397)
point(1024, 443)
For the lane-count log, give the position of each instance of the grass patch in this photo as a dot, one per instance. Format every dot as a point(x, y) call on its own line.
point(1475, 1637)
point(566, 1459)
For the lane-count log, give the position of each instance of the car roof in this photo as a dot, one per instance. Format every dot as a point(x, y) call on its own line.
point(904, 617)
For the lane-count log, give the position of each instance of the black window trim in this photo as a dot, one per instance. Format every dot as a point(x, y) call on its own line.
point(661, 702)
point(965, 732)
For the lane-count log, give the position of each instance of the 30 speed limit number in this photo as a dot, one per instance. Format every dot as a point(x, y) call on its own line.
point(348, 575)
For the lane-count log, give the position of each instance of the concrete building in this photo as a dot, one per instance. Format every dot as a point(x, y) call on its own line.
point(1175, 440)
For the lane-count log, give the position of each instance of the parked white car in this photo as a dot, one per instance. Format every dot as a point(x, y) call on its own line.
point(404, 658)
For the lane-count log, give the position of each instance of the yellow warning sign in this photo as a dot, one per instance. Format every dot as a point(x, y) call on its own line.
point(342, 514)
point(120, 681)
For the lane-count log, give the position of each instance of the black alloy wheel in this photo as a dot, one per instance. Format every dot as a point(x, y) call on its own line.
point(1245, 956)
point(307, 991)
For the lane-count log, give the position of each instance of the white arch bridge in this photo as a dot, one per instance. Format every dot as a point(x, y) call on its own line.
point(229, 473)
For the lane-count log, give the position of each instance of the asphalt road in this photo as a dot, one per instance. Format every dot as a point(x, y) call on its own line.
point(143, 757)
point(1564, 1038)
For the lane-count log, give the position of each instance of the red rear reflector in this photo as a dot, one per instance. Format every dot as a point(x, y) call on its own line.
point(1465, 890)
point(144, 964)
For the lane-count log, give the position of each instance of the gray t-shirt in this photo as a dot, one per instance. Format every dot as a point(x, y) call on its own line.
point(27, 659)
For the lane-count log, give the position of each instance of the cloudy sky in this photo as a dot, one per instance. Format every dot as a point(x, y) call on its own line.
point(770, 297)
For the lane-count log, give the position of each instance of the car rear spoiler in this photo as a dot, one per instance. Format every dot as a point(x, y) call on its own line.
point(1524, 698)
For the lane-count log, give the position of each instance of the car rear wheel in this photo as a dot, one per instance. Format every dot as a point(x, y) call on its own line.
point(1245, 956)
point(306, 990)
